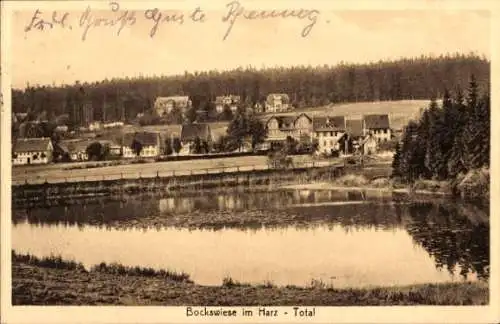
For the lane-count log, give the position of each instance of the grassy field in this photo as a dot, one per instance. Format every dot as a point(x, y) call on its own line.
point(400, 111)
point(33, 284)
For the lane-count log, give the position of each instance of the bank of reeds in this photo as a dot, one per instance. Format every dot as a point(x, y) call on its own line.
point(54, 262)
point(121, 270)
point(32, 284)
point(57, 262)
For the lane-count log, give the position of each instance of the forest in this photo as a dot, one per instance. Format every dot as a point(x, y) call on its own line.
point(448, 140)
point(123, 99)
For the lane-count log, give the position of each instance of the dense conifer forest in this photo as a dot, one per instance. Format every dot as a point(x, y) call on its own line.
point(122, 99)
point(448, 140)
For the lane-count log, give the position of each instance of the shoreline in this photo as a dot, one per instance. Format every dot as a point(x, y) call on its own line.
point(37, 285)
point(333, 186)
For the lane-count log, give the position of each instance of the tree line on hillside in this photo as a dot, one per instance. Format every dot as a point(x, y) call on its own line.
point(307, 86)
point(447, 140)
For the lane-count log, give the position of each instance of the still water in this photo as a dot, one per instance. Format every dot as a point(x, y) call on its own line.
point(347, 239)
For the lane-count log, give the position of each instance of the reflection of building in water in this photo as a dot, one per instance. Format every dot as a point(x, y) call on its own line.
point(176, 205)
point(167, 205)
point(322, 196)
point(230, 202)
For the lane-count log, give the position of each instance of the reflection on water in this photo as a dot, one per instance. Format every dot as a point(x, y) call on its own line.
point(369, 240)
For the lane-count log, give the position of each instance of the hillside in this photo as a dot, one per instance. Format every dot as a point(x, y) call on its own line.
point(306, 86)
point(400, 112)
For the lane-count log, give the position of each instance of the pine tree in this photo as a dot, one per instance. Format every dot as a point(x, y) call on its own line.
point(434, 158)
point(472, 127)
point(450, 128)
point(396, 162)
point(407, 157)
point(480, 143)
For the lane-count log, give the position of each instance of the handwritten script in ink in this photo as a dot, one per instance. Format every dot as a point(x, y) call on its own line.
point(117, 19)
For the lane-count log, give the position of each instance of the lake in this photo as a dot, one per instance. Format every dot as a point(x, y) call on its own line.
point(342, 238)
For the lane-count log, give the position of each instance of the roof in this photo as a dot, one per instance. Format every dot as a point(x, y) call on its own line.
point(303, 114)
point(32, 144)
point(234, 99)
point(284, 122)
point(376, 121)
point(283, 96)
point(145, 138)
point(74, 145)
point(354, 127)
point(190, 131)
point(177, 99)
point(329, 123)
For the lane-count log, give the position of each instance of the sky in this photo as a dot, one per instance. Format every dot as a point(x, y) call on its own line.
point(59, 56)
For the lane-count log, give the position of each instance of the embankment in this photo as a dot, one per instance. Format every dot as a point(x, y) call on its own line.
point(34, 284)
point(26, 194)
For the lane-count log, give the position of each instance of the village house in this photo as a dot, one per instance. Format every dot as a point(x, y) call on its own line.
point(277, 102)
point(113, 148)
point(279, 128)
point(61, 129)
point(369, 144)
point(328, 131)
point(258, 108)
point(303, 127)
point(354, 129)
point(230, 101)
point(32, 151)
point(165, 105)
point(149, 142)
point(190, 132)
point(95, 125)
point(113, 124)
point(76, 150)
point(378, 125)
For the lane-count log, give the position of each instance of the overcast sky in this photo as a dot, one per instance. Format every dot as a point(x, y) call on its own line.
point(60, 56)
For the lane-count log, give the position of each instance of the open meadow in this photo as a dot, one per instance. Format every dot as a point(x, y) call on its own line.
point(400, 112)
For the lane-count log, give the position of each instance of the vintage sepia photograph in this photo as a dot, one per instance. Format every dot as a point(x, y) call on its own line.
point(241, 157)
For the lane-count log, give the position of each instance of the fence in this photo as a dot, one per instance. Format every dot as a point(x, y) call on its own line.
point(92, 174)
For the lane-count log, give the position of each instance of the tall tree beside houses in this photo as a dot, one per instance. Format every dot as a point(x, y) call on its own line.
point(245, 126)
point(176, 145)
point(136, 146)
point(168, 146)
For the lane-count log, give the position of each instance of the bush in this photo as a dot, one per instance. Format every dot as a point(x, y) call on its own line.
point(431, 185)
point(352, 180)
point(473, 186)
point(230, 282)
point(382, 183)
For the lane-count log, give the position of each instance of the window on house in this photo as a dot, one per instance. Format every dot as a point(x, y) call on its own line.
point(324, 143)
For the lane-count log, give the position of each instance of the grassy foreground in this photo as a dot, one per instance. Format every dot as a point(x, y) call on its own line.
point(52, 281)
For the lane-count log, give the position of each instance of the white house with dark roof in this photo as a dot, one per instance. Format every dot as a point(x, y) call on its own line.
point(149, 141)
point(328, 131)
point(281, 127)
point(76, 149)
point(32, 151)
point(378, 126)
point(231, 101)
point(164, 105)
point(190, 132)
point(277, 102)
